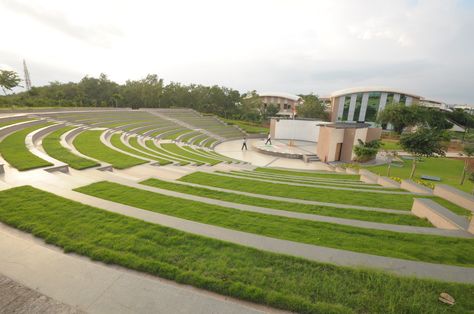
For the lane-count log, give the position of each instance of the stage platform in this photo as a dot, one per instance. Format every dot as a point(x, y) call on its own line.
point(252, 155)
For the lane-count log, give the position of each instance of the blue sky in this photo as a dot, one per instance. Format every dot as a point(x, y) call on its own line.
point(296, 46)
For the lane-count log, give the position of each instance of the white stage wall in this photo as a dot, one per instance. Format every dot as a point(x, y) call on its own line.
point(303, 130)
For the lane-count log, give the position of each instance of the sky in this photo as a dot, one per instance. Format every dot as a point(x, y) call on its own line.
point(425, 47)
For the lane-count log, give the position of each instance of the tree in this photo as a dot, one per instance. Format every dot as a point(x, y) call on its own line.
point(390, 155)
point(366, 151)
point(313, 108)
point(400, 116)
point(9, 80)
point(462, 118)
point(468, 151)
point(434, 118)
point(471, 178)
point(251, 106)
point(423, 143)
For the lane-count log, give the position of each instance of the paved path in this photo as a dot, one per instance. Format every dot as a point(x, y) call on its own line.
point(291, 214)
point(17, 298)
point(307, 251)
point(94, 287)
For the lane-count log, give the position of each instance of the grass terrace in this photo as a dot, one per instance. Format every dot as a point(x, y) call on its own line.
point(418, 247)
point(89, 144)
point(52, 145)
point(175, 149)
point(277, 280)
point(13, 149)
point(369, 199)
point(236, 197)
point(117, 142)
point(13, 121)
point(315, 174)
point(182, 160)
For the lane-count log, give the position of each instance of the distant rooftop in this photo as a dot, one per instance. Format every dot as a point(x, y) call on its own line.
point(372, 89)
point(278, 94)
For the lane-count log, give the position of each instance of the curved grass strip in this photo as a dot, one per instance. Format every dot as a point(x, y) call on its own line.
point(175, 135)
point(10, 122)
point(319, 174)
point(200, 140)
point(348, 213)
point(201, 153)
point(189, 136)
point(89, 144)
point(370, 199)
point(133, 141)
point(209, 144)
point(173, 148)
point(183, 161)
point(362, 186)
point(117, 142)
point(13, 149)
point(280, 281)
point(427, 248)
point(214, 154)
point(52, 145)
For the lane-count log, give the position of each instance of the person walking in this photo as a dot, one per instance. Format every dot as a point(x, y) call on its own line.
point(269, 139)
point(244, 144)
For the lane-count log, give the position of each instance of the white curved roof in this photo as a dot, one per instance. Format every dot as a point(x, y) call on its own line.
point(282, 95)
point(372, 89)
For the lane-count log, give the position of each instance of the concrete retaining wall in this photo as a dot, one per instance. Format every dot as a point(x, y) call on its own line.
point(368, 177)
point(439, 216)
point(72, 134)
point(41, 133)
point(387, 182)
point(340, 169)
point(411, 186)
point(455, 196)
point(352, 171)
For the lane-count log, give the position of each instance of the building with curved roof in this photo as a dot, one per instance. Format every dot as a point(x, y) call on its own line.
point(362, 104)
point(287, 103)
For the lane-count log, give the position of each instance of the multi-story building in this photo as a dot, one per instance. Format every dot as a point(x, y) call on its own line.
point(287, 103)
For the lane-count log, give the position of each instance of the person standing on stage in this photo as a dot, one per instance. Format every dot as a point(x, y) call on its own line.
point(269, 139)
point(244, 144)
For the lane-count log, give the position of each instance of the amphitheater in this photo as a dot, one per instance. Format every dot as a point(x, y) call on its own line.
point(154, 211)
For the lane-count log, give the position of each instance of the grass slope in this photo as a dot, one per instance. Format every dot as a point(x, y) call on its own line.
point(426, 248)
point(448, 169)
point(10, 122)
point(173, 148)
point(302, 208)
point(281, 281)
point(89, 144)
point(52, 145)
point(117, 142)
point(14, 151)
point(319, 174)
point(370, 199)
point(183, 161)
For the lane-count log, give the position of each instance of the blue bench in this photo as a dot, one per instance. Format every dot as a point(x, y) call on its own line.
point(430, 178)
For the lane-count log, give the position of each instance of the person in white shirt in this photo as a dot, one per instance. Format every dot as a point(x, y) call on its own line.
point(269, 139)
point(244, 144)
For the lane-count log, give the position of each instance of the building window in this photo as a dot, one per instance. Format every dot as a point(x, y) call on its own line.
point(372, 107)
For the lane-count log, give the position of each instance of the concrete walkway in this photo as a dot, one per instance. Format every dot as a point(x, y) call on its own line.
point(291, 214)
point(307, 251)
point(94, 287)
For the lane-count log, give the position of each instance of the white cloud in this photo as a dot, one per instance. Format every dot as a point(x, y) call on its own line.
point(295, 46)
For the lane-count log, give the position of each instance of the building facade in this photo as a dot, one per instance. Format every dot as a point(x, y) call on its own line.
point(287, 103)
point(364, 104)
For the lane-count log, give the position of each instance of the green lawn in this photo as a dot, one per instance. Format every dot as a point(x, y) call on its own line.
point(315, 174)
point(173, 136)
point(210, 143)
point(370, 199)
point(175, 149)
point(14, 151)
point(302, 208)
point(449, 170)
point(183, 161)
point(10, 122)
point(391, 145)
point(249, 127)
point(133, 141)
point(280, 281)
point(116, 142)
point(435, 249)
point(52, 146)
point(89, 144)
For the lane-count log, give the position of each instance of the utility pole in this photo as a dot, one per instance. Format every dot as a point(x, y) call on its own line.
point(27, 76)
